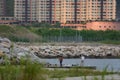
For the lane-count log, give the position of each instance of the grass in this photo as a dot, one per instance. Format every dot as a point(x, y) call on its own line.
point(34, 34)
point(17, 33)
point(76, 72)
point(58, 74)
point(25, 71)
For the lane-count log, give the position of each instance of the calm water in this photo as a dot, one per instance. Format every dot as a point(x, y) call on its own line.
point(114, 64)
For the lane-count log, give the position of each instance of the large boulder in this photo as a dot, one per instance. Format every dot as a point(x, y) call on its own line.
point(8, 47)
point(5, 45)
point(11, 50)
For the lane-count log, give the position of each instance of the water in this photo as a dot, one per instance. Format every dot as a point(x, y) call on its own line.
point(113, 64)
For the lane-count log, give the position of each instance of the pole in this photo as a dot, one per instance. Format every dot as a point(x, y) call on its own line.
point(60, 35)
point(76, 36)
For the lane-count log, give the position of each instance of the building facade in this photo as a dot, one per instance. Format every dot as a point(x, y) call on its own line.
point(25, 10)
point(65, 11)
point(2, 8)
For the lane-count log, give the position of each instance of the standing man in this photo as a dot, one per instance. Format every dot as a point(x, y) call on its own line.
point(60, 60)
point(82, 60)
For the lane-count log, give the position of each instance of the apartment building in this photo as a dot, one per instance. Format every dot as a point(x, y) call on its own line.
point(25, 10)
point(65, 11)
point(49, 10)
point(2, 8)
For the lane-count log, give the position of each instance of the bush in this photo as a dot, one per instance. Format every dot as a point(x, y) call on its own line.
point(27, 70)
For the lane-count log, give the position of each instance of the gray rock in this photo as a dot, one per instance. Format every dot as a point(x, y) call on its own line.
point(5, 50)
point(1, 46)
point(5, 45)
point(1, 39)
point(76, 50)
point(6, 40)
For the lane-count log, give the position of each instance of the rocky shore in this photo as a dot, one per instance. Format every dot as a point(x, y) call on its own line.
point(101, 51)
point(11, 49)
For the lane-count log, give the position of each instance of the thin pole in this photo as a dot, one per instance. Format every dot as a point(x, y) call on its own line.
point(76, 35)
point(60, 35)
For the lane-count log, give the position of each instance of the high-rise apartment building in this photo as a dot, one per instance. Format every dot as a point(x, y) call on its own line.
point(49, 10)
point(2, 8)
point(65, 11)
point(25, 10)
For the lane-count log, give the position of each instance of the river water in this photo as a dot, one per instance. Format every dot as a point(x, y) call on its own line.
point(113, 64)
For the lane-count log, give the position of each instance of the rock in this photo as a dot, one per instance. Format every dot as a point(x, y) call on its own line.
point(1, 39)
point(73, 51)
point(6, 40)
point(5, 50)
point(12, 50)
point(52, 51)
point(1, 46)
point(1, 54)
point(5, 45)
point(21, 54)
